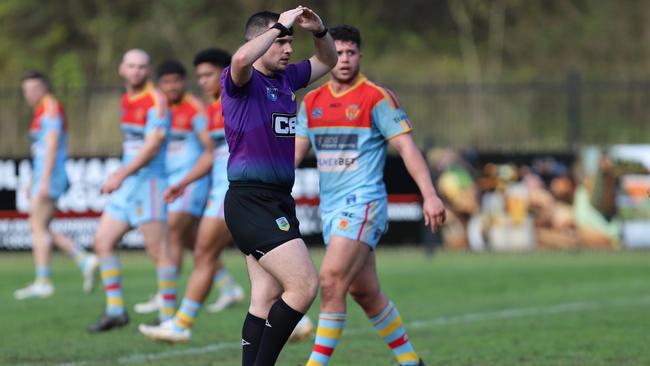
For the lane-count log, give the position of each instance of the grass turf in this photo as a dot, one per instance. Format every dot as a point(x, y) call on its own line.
point(460, 309)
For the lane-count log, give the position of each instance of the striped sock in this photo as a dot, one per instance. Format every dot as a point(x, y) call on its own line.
point(167, 291)
point(389, 325)
point(223, 280)
point(43, 274)
point(330, 327)
point(186, 314)
point(111, 277)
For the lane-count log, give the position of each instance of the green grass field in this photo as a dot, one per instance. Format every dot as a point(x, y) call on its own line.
point(459, 309)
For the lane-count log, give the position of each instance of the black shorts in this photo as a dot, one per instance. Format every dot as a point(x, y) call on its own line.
point(260, 217)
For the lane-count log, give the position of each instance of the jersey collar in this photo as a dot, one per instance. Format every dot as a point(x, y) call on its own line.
point(360, 79)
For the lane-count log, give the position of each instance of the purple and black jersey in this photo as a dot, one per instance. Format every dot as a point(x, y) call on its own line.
point(260, 125)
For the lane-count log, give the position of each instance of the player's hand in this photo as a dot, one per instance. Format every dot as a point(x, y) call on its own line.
point(173, 192)
point(310, 21)
point(43, 190)
point(113, 182)
point(289, 17)
point(434, 213)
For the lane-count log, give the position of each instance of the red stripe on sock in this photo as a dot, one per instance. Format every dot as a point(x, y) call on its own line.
point(114, 286)
point(169, 297)
point(398, 342)
point(327, 351)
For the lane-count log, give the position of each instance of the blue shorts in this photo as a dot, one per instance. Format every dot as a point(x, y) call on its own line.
point(193, 199)
point(138, 201)
point(364, 222)
point(58, 184)
point(218, 188)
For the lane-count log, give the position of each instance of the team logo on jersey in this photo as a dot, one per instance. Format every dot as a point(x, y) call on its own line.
point(283, 223)
point(352, 111)
point(284, 125)
point(272, 93)
point(351, 199)
point(317, 113)
point(344, 224)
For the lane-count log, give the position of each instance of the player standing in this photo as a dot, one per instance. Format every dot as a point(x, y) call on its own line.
point(136, 190)
point(49, 182)
point(350, 121)
point(259, 109)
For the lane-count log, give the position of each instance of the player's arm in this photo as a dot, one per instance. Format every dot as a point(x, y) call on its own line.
point(302, 148)
point(241, 68)
point(200, 169)
point(432, 207)
point(302, 139)
point(325, 56)
point(152, 143)
point(51, 145)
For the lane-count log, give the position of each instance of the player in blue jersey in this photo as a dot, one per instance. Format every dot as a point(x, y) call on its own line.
point(136, 190)
point(349, 122)
point(49, 181)
point(259, 108)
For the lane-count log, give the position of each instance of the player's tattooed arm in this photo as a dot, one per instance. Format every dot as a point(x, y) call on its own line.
point(241, 69)
point(433, 209)
point(200, 169)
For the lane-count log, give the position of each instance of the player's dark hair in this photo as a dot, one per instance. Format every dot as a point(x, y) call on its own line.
point(170, 67)
point(214, 56)
point(37, 75)
point(347, 33)
point(258, 23)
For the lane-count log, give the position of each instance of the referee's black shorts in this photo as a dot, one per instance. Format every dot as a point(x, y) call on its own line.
point(260, 216)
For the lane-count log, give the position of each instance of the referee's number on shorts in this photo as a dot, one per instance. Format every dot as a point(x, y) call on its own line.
point(284, 125)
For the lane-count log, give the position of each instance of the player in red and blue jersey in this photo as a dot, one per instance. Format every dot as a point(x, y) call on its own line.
point(136, 190)
point(349, 122)
point(49, 181)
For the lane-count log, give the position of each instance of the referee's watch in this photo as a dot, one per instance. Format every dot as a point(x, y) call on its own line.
point(322, 33)
point(284, 31)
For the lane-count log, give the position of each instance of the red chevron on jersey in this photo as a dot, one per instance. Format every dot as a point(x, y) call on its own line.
point(215, 115)
point(48, 107)
point(135, 107)
point(184, 112)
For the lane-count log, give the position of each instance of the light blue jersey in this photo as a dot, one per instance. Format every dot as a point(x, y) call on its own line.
point(49, 117)
point(349, 134)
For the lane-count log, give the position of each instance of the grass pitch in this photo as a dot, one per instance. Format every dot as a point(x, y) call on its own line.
point(459, 309)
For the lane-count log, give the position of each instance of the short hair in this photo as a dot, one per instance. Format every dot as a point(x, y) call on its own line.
point(258, 23)
point(346, 33)
point(214, 56)
point(170, 67)
point(36, 75)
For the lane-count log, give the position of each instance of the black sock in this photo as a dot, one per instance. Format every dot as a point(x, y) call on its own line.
point(251, 335)
point(282, 319)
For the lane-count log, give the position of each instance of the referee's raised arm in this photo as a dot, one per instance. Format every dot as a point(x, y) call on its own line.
point(241, 69)
point(325, 56)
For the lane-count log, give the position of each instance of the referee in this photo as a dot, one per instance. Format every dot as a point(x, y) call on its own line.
point(259, 108)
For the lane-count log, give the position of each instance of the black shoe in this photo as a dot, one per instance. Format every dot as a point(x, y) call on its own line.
point(421, 363)
point(108, 322)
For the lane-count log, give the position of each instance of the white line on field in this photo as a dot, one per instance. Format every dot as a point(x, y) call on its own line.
point(438, 321)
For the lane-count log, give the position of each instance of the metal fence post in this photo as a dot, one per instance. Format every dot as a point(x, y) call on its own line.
point(574, 91)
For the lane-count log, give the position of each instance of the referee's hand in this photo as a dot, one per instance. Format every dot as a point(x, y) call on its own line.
point(434, 213)
point(289, 17)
